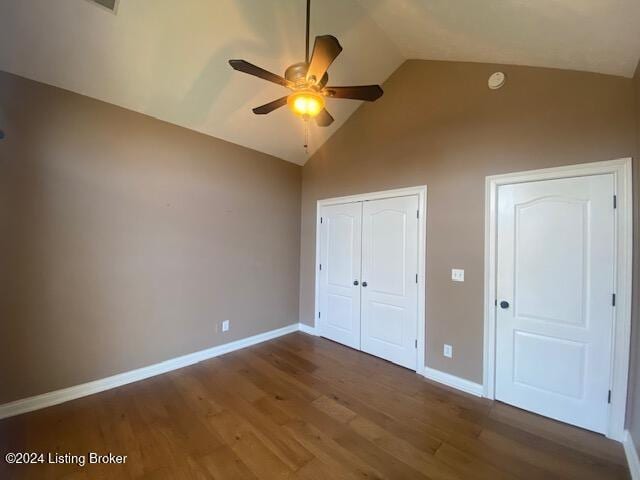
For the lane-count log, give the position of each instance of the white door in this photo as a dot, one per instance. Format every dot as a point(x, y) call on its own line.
point(555, 281)
point(389, 279)
point(339, 273)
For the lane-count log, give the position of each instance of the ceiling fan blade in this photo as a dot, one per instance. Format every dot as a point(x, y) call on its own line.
point(251, 69)
point(324, 119)
point(270, 107)
point(369, 93)
point(325, 50)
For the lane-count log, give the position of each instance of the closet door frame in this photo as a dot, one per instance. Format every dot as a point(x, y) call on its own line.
point(421, 192)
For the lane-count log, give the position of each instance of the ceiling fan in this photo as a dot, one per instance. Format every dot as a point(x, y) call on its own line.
point(308, 81)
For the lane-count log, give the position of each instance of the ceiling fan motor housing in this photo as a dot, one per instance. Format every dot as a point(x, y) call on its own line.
point(297, 74)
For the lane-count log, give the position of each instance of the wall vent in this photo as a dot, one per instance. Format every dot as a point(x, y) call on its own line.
point(111, 5)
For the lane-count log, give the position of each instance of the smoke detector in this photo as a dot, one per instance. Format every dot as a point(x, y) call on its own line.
point(496, 80)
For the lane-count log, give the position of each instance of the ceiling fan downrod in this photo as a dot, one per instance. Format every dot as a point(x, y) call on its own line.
point(306, 44)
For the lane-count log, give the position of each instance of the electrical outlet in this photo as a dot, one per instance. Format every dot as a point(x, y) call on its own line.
point(225, 325)
point(457, 275)
point(448, 351)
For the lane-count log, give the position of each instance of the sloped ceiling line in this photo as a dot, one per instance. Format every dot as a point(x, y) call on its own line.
point(168, 59)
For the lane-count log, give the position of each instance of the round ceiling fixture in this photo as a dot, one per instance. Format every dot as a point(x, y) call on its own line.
point(306, 103)
point(496, 80)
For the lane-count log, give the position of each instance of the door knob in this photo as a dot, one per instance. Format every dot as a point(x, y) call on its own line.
point(364, 284)
point(504, 304)
point(355, 282)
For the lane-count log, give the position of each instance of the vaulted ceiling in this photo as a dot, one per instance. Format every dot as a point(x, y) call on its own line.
point(168, 58)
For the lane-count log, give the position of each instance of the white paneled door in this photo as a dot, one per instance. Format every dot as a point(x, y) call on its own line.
point(390, 279)
point(555, 284)
point(368, 290)
point(339, 275)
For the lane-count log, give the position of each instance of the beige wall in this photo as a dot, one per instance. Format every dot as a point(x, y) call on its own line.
point(125, 240)
point(633, 410)
point(438, 124)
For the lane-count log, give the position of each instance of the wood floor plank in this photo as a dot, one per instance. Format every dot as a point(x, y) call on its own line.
point(434, 419)
point(331, 453)
point(439, 415)
point(248, 447)
point(468, 466)
point(316, 470)
point(420, 438)
point(558, 433)
point(555, 463)
point(420, 460)
point(380, 371)
point(285, 447)
point(334, 409)
point(223, 463)
point(302, 407)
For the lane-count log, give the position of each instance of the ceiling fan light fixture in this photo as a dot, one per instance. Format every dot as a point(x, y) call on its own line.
point(306, 103)
point(307, 80)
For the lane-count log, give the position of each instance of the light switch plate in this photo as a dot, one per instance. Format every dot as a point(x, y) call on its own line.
point(447, 351)
point(457, 275)
point(225, 325)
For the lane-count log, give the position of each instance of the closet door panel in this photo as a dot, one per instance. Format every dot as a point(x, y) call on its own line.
point(339, 273)
point(389, 279)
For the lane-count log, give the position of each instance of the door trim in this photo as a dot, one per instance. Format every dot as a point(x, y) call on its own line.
point(621, 170)
point(421, 191)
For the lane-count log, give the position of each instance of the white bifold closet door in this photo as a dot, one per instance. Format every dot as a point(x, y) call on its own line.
point(368, 285)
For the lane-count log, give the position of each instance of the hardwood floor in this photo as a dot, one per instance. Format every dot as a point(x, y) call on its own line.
point(301, 407)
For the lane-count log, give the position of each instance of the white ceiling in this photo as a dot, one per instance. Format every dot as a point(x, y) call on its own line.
point(590, 35)
point(168, 58)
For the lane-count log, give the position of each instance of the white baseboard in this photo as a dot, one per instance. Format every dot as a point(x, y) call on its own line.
point(453, 381)
point(64, 395)
point(308, 329)
point(632, 455)
point(77, 391)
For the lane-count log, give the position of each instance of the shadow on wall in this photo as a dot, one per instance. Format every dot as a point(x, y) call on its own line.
point(59, 276)
point(24, 246)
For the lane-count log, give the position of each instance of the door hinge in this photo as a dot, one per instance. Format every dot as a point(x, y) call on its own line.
point(416, 278)
point(319, 315)
point(609, 398)
point(615, 201)
point(613, 299)
point(495, 302)
point(416, 343)
point(320, 266)
point(417, 213)
point(320, 219)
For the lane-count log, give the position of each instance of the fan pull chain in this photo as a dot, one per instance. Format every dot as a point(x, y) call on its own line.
point(306, 136)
